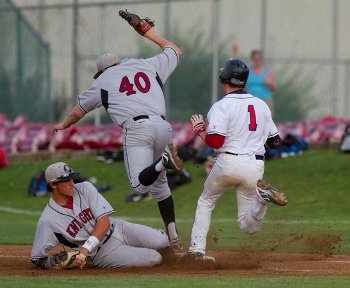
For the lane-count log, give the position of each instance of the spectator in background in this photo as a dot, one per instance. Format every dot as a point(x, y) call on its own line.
point(261, 82)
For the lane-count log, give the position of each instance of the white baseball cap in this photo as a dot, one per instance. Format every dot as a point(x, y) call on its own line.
point(104, 61)
point(59, 172)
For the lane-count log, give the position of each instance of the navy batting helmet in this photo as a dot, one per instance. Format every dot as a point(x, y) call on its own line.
point(235, 72)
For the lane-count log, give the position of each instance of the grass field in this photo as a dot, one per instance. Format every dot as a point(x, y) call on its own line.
point(316, 183)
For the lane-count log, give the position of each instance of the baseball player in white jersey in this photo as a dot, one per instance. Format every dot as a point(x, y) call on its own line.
point(239, 126)
point(131, 92)
point(78, 216)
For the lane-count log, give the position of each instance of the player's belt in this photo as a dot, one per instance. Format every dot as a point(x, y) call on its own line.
point(145, 117)
point(109, 234)
point(257, 157)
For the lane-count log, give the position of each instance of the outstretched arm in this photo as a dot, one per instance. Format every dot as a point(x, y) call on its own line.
point(162, 42)
point(73, 117)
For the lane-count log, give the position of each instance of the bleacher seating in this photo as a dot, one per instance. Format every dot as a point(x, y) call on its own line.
point(18, 136)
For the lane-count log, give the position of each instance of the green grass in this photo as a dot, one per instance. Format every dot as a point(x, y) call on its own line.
point(316, 184)
point(167, 281)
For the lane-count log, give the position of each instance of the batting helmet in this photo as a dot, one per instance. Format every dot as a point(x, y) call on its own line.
point(235, 72)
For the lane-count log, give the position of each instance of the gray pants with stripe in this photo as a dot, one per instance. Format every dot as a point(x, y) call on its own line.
point(144, 143)
point(131, 245)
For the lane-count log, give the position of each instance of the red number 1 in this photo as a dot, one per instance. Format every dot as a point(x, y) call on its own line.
point(252, 124)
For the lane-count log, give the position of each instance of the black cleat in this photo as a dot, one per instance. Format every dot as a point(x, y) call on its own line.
point(171, 160)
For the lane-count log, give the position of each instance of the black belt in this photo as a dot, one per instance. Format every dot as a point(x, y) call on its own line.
point(145, 117)
point(109, 235)
point(257, 157)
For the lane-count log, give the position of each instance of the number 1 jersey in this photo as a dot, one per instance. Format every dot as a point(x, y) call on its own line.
point(132, 87)
point(244, 120)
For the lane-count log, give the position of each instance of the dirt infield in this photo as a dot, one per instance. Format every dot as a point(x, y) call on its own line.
point(15, 261)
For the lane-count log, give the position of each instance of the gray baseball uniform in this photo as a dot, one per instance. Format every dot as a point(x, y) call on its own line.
point(131, 89)
point(125, 244)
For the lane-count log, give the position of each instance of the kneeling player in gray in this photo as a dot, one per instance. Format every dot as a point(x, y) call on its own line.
point(78, 216)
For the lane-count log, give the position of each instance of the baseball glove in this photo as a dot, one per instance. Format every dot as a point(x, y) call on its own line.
point(67, 260)
point(140, 25)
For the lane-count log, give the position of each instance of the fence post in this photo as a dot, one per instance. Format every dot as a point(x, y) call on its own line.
point(19, 82)
point(334, 70)
point(346, 106)
point(215, 43)
point(75, 55)
point(263, 25)
point(167, 87)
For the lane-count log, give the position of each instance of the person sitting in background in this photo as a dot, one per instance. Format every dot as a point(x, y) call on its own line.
point(261, 82)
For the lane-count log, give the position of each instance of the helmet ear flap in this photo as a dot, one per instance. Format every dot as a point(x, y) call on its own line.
point(222, 81)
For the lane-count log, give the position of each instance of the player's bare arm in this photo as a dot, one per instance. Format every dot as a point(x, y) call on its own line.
point(73, 117)
point(162, 42)
point(101, 229)
point(145, 27)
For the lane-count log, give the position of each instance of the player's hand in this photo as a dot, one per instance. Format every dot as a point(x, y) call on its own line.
point(198, 124)
point(59, 126)
point(80, 259)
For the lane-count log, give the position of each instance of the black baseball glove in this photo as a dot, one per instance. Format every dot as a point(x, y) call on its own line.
point(141, 26)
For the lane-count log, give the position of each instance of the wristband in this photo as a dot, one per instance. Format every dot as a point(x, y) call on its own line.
point(91, 243)
point(199, 128)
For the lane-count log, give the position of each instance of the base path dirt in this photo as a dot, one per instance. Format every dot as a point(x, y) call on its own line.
point(15, 261)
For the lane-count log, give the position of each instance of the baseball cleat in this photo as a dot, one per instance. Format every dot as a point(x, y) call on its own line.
point(202, 257)
point(270, 194)
point(171, 160)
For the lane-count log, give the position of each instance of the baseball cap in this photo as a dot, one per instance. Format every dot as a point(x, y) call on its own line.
point(104, 61)
point(59, 172)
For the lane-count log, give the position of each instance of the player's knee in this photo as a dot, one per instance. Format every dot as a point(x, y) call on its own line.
point(161, 241)
point(140, 189)
point(155, 259)
point(206, 203)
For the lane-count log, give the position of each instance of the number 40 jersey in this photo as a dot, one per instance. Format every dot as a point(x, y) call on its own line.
point(244, 120)
point(131, 88)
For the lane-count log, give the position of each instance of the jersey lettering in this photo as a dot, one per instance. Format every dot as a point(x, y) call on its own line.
point(74, 228)
point(128, 87)
point(85, 215)
point(252, 115)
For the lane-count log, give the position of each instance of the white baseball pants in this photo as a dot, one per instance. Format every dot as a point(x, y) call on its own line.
point(241, 172)
point(144, 143)
point(131, 245)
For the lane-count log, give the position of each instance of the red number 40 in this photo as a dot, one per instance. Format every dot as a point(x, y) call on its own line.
point(128, 87)
point(252, 115)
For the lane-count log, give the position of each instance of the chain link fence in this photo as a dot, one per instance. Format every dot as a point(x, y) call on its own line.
point(24, 67)
point(306, 45)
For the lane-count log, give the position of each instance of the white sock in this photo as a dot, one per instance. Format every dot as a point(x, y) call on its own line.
point(159, 166)
point(172, 231)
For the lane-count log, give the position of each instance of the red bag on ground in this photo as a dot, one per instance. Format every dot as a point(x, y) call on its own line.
point(3, 161)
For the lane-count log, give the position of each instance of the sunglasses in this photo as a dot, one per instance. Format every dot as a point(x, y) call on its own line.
point(63, 177)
